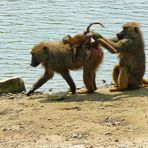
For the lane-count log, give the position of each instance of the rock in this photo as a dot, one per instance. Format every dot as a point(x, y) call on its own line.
point(57, 95)
point(12, 85)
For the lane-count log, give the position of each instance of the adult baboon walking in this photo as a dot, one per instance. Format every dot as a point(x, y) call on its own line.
point(130, 46)
point(57, 57)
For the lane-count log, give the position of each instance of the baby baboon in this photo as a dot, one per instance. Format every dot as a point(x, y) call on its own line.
point(79, 40)
point(130, 46)
point(56, 57)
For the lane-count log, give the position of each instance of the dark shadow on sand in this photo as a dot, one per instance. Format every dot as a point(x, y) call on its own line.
point(100, 96)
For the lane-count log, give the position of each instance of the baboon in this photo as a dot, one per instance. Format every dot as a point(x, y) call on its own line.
point(79, 40)
point(56, 57)
point(128, 74)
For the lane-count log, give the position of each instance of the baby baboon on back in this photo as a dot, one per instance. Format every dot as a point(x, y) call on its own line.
point(130, 46)
point(78, 40)
point(75, 42)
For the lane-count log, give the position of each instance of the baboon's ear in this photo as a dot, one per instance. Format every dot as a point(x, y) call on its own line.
point(136, 29)
point(45, 49)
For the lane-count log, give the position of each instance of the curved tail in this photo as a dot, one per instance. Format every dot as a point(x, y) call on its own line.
point(88, 27)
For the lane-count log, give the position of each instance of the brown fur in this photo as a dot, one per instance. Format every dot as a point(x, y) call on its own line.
point(56, 57)
point(130, 46)
point(75, 42)
point(78, 40)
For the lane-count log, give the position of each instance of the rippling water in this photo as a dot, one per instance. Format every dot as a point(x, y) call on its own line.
point(24, 23)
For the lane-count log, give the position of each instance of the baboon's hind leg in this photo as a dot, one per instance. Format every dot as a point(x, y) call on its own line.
point(89, 80)
point(66, 75)
point(123, 80)
point(115, 74)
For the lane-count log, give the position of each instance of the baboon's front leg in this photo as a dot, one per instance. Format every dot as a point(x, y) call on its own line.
point(42, 80)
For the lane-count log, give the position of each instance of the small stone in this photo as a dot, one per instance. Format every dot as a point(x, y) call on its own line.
point(80, 136)
point(11, 98)
point(49, 119)
point(91, 146)
point(122, 146)
point(75, 135)
point(87, 116)
point(117, 123)
point(4, 129)
point(57, 95)
point(108, 133)
point(101, 107)
point(116, 140)
point(50, 90)
point(104, 81)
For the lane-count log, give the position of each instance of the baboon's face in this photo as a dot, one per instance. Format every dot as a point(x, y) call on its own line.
point(128, 32)
point(121, 34)
point(34, 61)
point(39, 56)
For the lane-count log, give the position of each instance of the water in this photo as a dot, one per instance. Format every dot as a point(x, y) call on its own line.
point(24, 23)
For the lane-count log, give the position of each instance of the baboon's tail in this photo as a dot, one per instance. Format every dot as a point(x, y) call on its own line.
point(88, 27)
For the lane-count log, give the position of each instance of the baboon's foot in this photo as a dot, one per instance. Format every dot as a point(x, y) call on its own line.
point(113, 89)
point(71, 92)
point(85, 91)
point(116, 88)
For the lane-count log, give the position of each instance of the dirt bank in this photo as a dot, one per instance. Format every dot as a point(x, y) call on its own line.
point(102, 119)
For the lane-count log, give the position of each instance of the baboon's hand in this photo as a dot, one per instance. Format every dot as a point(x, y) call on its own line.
point(97, 36)
point(100, 36)
point(30, 92)
point(106, 45)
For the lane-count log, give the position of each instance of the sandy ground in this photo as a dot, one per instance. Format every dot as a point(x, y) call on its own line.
point(99, 120)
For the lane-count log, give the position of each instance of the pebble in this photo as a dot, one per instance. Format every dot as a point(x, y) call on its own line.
point(11, 98)
point(108, 133)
